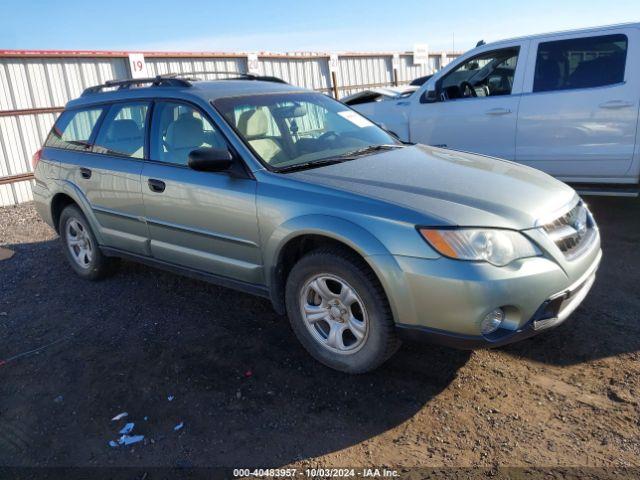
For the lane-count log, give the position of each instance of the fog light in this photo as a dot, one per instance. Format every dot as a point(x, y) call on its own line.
point(492, 321)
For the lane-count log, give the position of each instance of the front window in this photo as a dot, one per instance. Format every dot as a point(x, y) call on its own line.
point(177, 130)
point(487, 75)
point(289, 130)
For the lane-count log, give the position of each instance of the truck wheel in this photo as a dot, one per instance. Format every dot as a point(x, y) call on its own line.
point(81, 247)
point(339, 312)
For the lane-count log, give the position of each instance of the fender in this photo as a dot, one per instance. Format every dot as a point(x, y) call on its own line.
point(73, 191)
point(351, 234)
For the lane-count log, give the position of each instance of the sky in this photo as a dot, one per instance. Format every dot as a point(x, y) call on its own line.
point(285, 25)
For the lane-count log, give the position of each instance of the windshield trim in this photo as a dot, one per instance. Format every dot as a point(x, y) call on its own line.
point(246, 143)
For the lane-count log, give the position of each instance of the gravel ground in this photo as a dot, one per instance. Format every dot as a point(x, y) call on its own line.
point(248, 394)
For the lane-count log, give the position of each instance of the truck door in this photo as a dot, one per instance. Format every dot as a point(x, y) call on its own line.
point(578, 117)
point(475, 105)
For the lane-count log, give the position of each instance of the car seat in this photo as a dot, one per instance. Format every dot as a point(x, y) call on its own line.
point(254, 125)
point(184, 135)
point(124, 136)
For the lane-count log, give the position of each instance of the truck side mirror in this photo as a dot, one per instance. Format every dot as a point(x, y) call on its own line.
point(429, 96)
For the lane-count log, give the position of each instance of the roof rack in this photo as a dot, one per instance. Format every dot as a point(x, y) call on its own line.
point(175, 80)
point(235, 75)
point(167, 80)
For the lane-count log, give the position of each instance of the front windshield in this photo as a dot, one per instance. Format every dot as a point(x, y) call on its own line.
point(291, 129)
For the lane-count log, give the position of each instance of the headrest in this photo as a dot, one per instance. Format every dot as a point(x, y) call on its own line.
point(123, 130)
point(185, 132)
point(253, 123)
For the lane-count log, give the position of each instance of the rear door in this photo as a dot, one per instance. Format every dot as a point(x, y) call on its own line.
point(477, 104)
point(578, 116)
point(107, 174)
point(114, 169)
point(205, 221)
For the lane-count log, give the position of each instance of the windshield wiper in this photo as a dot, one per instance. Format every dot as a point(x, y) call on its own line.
point(366, 150)
point(339, 158)
point(313, 164)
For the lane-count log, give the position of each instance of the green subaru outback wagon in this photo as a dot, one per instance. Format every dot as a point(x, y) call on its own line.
point(360, 239)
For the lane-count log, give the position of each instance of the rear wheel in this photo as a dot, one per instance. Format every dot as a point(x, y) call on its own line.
point(81, 247)
point(339, 311)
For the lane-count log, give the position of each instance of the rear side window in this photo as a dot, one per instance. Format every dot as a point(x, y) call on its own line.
point(580, 63)
point(73, 129)
point(123, 130)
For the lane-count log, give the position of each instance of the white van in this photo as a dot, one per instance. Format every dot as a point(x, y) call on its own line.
point(565, 103)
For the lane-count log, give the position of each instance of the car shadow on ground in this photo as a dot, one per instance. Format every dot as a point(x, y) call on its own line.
point(174, 350)
point(606, 324)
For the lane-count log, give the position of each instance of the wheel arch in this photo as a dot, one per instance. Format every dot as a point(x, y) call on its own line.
point(299, 236)
point(70, 194)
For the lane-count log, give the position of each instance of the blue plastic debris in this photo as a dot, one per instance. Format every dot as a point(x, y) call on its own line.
point(127, 428)
point(178, 426)
point(129, 439)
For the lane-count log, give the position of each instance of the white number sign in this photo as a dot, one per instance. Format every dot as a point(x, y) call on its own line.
point(137, 65)
point(421, 54)
point(334, 62)
point(253, 66)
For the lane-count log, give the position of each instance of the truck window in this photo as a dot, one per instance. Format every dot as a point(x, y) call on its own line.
point(580, 63)
point(73, 129)
point(486, 75)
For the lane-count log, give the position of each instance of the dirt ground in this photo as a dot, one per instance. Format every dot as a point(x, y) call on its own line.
point(248, 395)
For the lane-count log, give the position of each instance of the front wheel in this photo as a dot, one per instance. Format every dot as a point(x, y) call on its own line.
point(339, 311)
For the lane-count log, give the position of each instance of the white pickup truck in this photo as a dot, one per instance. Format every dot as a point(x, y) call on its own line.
point(565, 103)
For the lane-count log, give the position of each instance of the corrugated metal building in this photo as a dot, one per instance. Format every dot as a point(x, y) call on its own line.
point(35, 86)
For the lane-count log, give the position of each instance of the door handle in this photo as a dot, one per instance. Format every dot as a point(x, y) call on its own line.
point(498, 111)
point(157, 186)
point(614, 104)
point(85, 172)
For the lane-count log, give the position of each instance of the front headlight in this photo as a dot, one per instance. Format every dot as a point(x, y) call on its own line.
point(498, 247)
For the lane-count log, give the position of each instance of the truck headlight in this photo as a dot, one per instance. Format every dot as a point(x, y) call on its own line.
point(498, 247)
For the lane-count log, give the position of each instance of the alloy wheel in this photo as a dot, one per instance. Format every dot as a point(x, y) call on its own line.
point(334, 313)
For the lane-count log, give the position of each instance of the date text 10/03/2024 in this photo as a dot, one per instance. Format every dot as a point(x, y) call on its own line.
point(317, 472)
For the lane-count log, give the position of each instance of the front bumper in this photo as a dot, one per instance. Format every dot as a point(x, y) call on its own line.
point(551, 313)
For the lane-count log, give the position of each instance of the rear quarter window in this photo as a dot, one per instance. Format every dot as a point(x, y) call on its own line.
point(74, 128)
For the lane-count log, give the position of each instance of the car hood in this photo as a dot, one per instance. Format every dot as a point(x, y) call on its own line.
point(449, 187)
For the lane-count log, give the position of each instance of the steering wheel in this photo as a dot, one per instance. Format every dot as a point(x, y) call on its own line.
point(464, 86)
point(328, 135)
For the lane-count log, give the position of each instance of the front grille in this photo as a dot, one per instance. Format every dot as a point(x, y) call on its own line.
point(573, 231)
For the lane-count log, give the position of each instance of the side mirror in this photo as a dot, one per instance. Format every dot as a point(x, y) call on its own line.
point(429, 96)
point(210, 159)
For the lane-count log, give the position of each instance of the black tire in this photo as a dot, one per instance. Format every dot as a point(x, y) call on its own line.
point(381, 341)
point(98, 266)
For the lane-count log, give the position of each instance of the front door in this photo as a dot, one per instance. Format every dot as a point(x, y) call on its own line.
point(476, 107)
point(200, 220)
